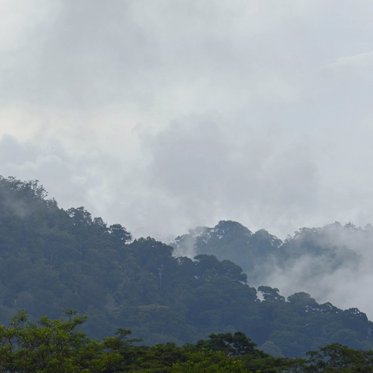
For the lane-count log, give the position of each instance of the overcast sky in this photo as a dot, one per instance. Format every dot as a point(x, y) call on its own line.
point(162, 115)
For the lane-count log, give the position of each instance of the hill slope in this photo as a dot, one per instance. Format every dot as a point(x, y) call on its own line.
point(52, 259)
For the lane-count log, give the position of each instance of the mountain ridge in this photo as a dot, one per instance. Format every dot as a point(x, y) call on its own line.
point(52, 259)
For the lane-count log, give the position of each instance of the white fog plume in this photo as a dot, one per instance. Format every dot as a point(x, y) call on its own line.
point(344, 279)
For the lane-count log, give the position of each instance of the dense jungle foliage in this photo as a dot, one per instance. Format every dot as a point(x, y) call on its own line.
point(53, 259)
point(58, 346)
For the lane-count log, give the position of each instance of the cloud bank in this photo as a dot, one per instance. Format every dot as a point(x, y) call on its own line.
point(163, 116)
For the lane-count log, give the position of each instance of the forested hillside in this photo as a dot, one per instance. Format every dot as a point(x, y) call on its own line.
point(306, 259)
point(53, 259)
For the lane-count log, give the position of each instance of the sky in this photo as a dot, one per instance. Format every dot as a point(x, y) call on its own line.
point(163, 115)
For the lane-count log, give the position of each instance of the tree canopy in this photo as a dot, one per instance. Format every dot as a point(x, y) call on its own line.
point(59, 346)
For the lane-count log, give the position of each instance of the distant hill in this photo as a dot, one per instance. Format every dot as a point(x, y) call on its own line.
point(52, 259)
point(255, 252)
point(305, 258)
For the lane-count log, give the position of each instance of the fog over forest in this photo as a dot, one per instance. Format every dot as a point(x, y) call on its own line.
point(168, 115)
point(333, 263)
